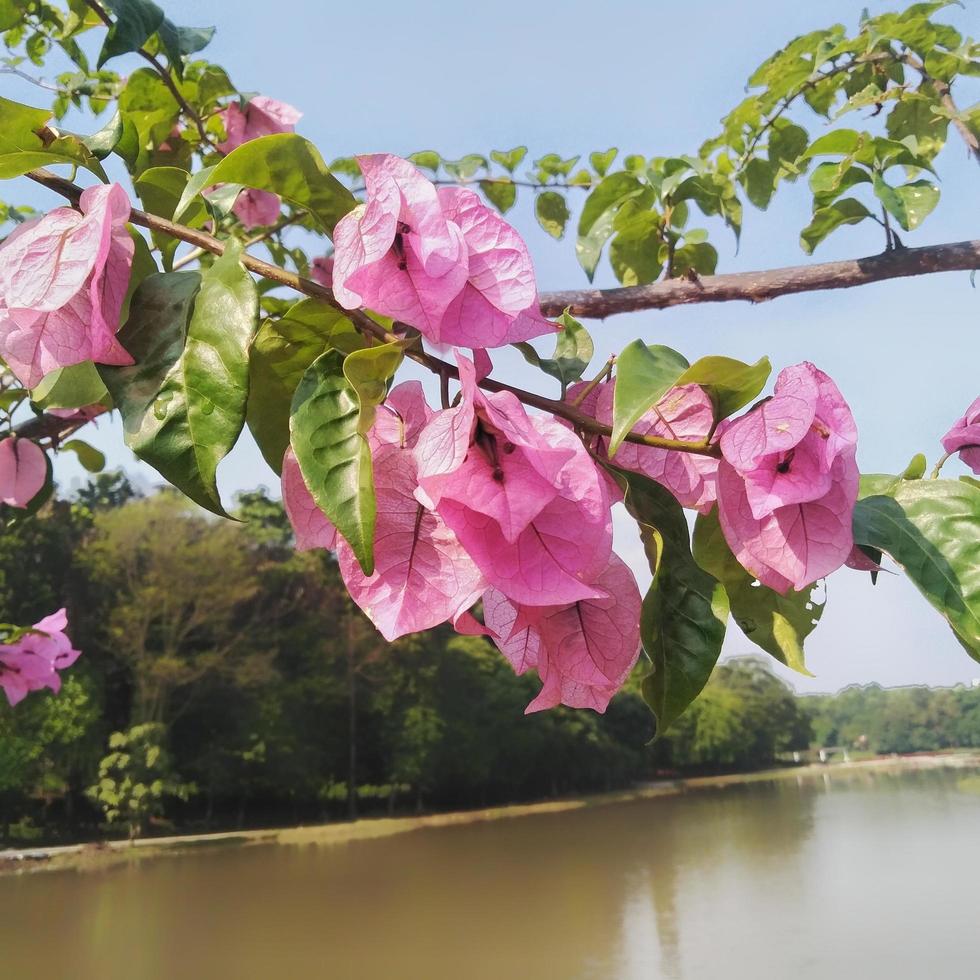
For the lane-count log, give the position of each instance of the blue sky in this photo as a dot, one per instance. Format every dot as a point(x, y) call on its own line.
point(652, 78)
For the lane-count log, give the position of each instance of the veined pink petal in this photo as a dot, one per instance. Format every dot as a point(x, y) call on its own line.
point(402, 417)
point(520, 644)
point(311, 527)
point(964, 437)
point(423, 576)
point(23, 471)
point(775, 426)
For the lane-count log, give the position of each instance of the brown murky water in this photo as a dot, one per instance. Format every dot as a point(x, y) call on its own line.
point(869, 876)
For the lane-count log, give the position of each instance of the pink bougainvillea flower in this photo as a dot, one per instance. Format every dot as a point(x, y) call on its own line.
point(257, 209)
point(521, 493)
point(498, 304)
point(63, 280)
point(582, 651)
point(262, 116)
point(441, 262)
point(964, 437)
point(23, 471)
point(321, 270)
point(685, 412)
point(311, 527)
point(33, 661)
point(85, 414)
point(788, 481)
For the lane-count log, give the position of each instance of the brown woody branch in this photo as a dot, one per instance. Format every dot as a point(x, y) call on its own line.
point(757, 287)
point(364, 323)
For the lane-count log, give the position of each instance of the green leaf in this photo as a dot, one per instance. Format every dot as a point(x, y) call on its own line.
point(103, 142)
point(552, 213)
point(22, 149)
point(915, 115)
point(909, 204)
point(500, 192)
point(599, 211)
point(427, 159)
point(846, 141)
point(829, 180)
point(701, 258)
point(510, 160)
point(777, 623)
point(601, 162)
point(179, 42)
point(11, 13)
point(932, 529)
point(644, 374)
point(635, 251)
point(183, 402)
point(465, 167)
point(333, 456)
point(281, 352)
point(759, 182)
point(731, 383)
point(160, 190)
point(76, 386)
point(685, 611)
point(573, 353)
point(916, 469)
point(284, 164)
point(90, 457)
point(847, 211)
point(368, 372)
point(136, 21)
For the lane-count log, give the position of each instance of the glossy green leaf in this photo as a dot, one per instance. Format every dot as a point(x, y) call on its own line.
point(334, 457)
point(932, 529)
point(847, 211)
point(916, 469)
point(368, 372)
point(644, 374)
point(284, 164)
point(500, 192)
point(634, 253)
point(183, 402)
point(91, 458)
point(281, 352)
point(777, 623)
point(573, 353)
point(22, 149)
point(160, 190)
point(909, 204)
point(77, 386)
point(599, 211)
point(552, 213)
point(180, 42)
point(135, 22)
point(685, 611)
point(104, 141)
point(731, 383)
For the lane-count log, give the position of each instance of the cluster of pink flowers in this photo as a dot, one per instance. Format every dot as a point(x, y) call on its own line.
point(32, 662)
point(261, 116)
point(483, 501)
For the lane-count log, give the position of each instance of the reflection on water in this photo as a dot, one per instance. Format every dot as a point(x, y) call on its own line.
point(860, 876)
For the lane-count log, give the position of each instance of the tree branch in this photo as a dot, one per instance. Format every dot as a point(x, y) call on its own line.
point(162, 71)
point(361, 321)
point(757, 287)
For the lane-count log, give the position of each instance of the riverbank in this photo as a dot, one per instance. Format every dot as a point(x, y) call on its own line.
point(104, 854)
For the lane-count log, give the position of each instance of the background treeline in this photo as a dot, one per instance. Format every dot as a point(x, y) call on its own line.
point(228, 681)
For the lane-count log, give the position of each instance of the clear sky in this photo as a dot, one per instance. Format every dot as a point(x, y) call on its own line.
point(653, 78)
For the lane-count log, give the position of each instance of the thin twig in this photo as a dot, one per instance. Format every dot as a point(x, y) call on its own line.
point(196, 253)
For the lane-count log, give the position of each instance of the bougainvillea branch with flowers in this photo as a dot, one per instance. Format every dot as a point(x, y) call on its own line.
point(491, 510)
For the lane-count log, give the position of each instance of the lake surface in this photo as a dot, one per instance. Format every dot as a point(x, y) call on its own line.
point(860, 876)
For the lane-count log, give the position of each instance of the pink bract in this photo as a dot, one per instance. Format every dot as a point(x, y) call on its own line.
point(63, 280)
point(442, 262)
point(262, 116)
point(23, 471)
point(33, 661)
point(964, 437)
point(583, 651)
point(257, 209)
point(311, 527)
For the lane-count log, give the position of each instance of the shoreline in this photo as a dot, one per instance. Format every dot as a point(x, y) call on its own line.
point(100, 855)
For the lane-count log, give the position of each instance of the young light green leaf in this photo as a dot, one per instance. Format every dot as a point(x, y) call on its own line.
point(285, 164)
point(731, 383)
point(932, 529)
point(551, 210)
point(778, 624)
point(847, 211)
point(510, 160)
point(909, 204)
point(281, 352)
point(91, 458)
point(685, 611)
point(76, 386)
point(368, 372)
point(573, 353)
point(644, 374)
point(601, 162)
point(183, 402)
point(334, 457)
point(501, 192)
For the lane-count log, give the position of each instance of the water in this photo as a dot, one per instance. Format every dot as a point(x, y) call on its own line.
point(868, 876)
